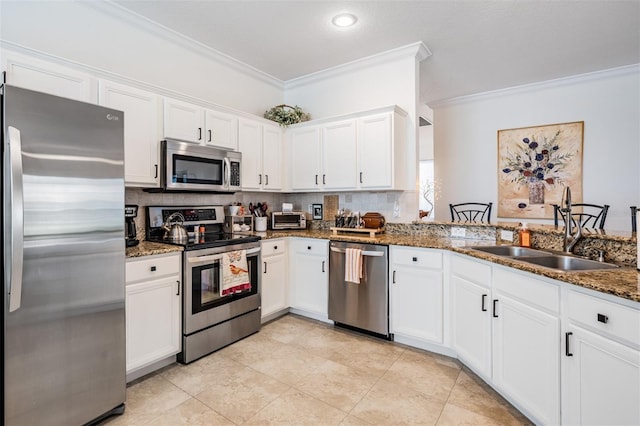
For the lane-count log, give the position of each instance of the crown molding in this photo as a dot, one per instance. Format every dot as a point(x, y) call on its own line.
point(547, 84)
point(123, 14)
point(416, 50)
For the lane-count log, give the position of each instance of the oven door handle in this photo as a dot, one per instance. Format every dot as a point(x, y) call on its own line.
point(214, 257)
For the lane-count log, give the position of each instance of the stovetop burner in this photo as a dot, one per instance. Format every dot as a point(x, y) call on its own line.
point(209, 240)
point(211, 217)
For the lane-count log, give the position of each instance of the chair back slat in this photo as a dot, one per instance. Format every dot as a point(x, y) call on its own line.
point(583, 214)
point(471, 212)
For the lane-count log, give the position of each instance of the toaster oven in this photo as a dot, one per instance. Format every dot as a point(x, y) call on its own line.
point(288, 220)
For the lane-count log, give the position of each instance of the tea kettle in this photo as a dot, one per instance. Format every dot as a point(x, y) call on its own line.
point(174, 231)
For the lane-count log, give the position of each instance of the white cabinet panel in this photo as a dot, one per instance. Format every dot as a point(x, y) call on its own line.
point(272, 153)
point(141, 130)
point(222, 129)
point(183, 121)
point(250, 145)
point(304, 158)
point(375, 152)
point(274, 284)
point(48, 77)
point(310, 276)
point(339, 155)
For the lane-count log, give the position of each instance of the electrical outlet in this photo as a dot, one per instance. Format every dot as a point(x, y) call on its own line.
point(506, 235)
point(457, 232)
point(310, 208)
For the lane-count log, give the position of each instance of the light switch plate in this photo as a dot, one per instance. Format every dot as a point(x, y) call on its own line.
point(457, 232)
point(506, 235)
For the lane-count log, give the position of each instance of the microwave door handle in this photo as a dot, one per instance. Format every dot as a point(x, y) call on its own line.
point(14, 249)
point(227, 172)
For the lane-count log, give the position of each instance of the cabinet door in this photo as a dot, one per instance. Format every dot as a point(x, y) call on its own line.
point(48, 77)
point(339, 155)
point(601, 381)
point(526, 357)
point(471, 328)
point(250, 143)
point(416, 303)
point(272, 158)
point(141, 130)
point(375, 152)
point(222, 129)
point(304, 150)
point(183, 121)
point(310, 276)
point(153, 321)
point(274, 289)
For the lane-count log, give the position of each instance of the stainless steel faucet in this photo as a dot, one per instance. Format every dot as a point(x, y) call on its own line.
point(570, 239)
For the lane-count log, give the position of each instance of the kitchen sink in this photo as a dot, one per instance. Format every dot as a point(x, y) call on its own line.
point(567, 263)
point(511, 251)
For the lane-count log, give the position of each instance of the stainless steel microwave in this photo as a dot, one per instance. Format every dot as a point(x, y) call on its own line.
point(288, 220)
point(189, 167)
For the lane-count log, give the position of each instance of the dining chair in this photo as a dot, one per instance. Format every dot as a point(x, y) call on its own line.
point(634, 214)
point(471, 212)
point(583, 214)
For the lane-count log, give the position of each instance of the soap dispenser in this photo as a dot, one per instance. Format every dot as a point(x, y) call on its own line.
point(525, 236)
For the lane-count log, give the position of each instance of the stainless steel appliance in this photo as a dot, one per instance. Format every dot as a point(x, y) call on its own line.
point(189, 167)
point(365, 305)
point(210, 320)
point(64, 255)
point(130, 214)
point(288, 220)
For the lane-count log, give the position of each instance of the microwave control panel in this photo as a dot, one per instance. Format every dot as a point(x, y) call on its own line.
point(235, 174)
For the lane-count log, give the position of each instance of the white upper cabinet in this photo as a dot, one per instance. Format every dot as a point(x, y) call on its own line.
point(49, 77)
point(375, 151)
point(141, 130)
point(183, 121)
point(222, 129)
point(339, 155)
point(193, 123)
point(261, 147)
point(364, 151)
point(304, 158)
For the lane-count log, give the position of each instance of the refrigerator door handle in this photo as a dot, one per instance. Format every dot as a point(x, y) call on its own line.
point(16, 249)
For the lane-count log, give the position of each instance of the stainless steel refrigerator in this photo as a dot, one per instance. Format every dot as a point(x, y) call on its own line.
point(64, 255)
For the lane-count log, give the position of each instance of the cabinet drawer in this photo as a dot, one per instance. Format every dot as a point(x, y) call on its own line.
point(608, 317)
point(410, 256)
point(471, 270)
point(152, 267)
point(319, 247)
point(273, 247)
point(534, 291)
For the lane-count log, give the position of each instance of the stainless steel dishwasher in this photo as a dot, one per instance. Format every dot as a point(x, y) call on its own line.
point(365, 305)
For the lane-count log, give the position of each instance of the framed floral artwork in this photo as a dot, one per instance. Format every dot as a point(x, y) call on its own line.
point(535, 164)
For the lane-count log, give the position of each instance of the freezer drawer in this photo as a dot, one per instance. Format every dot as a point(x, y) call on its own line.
point(364, 305)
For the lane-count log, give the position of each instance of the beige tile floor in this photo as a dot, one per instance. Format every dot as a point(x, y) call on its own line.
point(297, 371)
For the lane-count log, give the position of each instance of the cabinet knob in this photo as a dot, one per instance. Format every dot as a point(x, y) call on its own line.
point(415, 259)
point(308, 247)
point(603, 318)
point(153, 269)
point(275, 247)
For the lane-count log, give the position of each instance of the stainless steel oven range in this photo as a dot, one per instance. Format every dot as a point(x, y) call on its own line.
point(211, 317)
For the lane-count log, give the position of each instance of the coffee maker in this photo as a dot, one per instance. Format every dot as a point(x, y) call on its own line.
point(130, 213)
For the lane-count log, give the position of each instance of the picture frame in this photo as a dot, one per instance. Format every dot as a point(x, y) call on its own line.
point(317, 211)
point(535, 165)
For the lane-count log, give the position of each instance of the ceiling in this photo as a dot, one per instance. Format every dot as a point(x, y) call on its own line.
point(477, 45)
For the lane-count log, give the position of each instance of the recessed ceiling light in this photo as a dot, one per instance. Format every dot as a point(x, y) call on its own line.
point(344, 20)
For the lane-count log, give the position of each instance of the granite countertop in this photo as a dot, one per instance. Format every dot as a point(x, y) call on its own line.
point(623, 282)
point(148, 248)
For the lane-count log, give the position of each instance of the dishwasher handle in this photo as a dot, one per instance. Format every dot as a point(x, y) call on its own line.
point(364, 252)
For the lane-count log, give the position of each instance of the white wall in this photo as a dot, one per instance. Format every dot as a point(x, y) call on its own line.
point(103, 36)
point(608, 102)
point(379, 84)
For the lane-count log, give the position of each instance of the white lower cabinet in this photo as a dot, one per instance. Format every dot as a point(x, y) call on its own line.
point(416, 295)
point(506, 327)
point(153, 309)
point(309, 274)
point(274, 278)
point(600, 362)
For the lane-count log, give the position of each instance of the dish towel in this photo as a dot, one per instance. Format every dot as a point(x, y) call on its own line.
point(235, 273)
point(353, 265)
